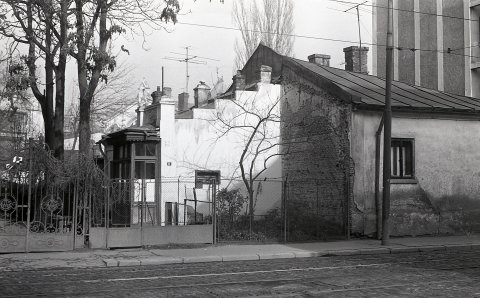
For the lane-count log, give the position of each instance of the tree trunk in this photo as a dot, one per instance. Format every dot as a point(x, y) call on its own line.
point(59, 118)
point(84, 127)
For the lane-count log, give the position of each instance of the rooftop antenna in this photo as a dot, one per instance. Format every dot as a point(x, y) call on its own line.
point(359, 33)
point(189, 59)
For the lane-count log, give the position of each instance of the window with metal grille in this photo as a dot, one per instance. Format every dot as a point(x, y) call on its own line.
point(403, 161)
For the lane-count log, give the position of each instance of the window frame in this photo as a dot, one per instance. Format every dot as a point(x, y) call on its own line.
point(402, 178)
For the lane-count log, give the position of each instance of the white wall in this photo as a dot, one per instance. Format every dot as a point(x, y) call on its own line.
point(204, 143)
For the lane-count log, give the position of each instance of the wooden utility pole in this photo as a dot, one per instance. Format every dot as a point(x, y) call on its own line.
point(387, 134)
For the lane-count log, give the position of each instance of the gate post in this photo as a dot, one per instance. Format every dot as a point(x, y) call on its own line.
point(214, 215)
point(74, 210)
point(29, 196)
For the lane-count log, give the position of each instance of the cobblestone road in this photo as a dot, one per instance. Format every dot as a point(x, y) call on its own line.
point(433, 274)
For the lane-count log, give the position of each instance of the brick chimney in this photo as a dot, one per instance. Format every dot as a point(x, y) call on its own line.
point(320, 59)
point(264, 74)
point(239, 81)
point(156, 95)
point(356, 59)
point(167, 92)
point(201, 94)
point(183, 101)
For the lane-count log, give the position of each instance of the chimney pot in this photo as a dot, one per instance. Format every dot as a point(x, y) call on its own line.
point(320, 59)
point(356, 59)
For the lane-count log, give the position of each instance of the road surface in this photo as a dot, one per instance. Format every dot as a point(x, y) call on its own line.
point(432, 274)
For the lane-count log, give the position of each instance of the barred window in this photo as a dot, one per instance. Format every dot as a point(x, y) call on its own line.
point(403, 161)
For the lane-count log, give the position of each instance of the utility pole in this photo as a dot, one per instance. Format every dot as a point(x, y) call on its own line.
point(387, 134)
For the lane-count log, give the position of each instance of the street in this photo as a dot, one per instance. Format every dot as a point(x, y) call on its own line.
point(428, 274)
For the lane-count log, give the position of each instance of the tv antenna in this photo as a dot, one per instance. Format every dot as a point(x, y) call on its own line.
point(187, 60)
point(359, 32)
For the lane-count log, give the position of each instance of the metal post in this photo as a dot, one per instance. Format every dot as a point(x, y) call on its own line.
point(378, 199)
point(387, 137)
point(285, 209)
point(214, 213)
point(74, 210)
point(195, 202)
point(185, 212)
point(142, 204)
point(29, 198)
point(109, 184)
point(163, 81)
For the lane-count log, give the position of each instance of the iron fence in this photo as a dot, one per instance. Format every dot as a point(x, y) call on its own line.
point(45, 202)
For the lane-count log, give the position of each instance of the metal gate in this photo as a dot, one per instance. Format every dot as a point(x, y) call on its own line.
point(41, 208)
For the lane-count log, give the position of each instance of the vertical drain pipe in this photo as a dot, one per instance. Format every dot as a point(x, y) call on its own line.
point(378, 198)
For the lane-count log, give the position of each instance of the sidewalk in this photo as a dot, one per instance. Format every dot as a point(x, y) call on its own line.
point(225, 253)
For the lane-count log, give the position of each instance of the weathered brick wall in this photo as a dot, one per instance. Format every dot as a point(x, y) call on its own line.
point(315, 138)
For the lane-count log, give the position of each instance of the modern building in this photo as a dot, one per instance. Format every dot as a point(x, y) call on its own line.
point(436, 43)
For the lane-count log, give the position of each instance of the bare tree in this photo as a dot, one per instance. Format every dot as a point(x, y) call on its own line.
point(255, 122)
point(271, 23)
point(40, 29)
point(111, 98)
point(97, 21)
point(50, 31)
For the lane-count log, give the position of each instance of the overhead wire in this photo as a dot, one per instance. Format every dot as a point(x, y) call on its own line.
point(400, 48)
point(404, 10)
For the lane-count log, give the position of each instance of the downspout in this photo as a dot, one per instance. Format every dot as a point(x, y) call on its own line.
point(378, 199)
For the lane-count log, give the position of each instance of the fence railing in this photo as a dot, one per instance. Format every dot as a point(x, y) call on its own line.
point(283, 210)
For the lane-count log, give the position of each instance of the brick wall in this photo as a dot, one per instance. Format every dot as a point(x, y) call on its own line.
point(315, 138)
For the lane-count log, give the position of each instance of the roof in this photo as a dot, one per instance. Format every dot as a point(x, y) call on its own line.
point(369, 90)
point(131, 134)
point(363, 90)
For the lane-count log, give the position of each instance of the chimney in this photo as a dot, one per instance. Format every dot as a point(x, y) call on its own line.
point(239, 81)
point(201, 94)
point(264, 75)
point(356, 59)
point(320, 59)
point(156, 95)
point(183, 101)
point(167, 92)
point(140, 116)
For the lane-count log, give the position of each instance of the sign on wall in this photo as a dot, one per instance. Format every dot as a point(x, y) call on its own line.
point(206, 177)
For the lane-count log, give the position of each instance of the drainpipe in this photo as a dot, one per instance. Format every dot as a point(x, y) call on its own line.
point(378, 199)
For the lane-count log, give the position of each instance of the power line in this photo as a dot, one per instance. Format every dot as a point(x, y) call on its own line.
point(404, 10)
point(400, 48)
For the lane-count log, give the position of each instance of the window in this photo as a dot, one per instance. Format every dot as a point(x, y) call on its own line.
point(144, 170)
point(403, 162)
point(148, 149)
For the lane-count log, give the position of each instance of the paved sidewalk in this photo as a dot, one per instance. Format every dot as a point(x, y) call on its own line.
point(225, 253)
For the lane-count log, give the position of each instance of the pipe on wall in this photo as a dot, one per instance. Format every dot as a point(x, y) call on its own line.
point(378, 199)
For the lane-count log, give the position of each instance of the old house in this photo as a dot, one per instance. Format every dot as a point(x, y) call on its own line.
point(326, 145)
point(332, 130)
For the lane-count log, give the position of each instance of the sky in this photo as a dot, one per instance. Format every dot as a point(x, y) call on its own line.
point(312, 18)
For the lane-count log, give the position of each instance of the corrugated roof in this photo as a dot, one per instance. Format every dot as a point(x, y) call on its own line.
point(370, 90)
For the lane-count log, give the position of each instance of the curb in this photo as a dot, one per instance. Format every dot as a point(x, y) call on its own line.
point(159, 260)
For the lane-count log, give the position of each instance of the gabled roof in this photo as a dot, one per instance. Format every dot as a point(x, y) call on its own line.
point(369, 90)
point(362, 90)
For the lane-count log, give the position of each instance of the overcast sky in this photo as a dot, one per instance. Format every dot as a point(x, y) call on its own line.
point(313, 18)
